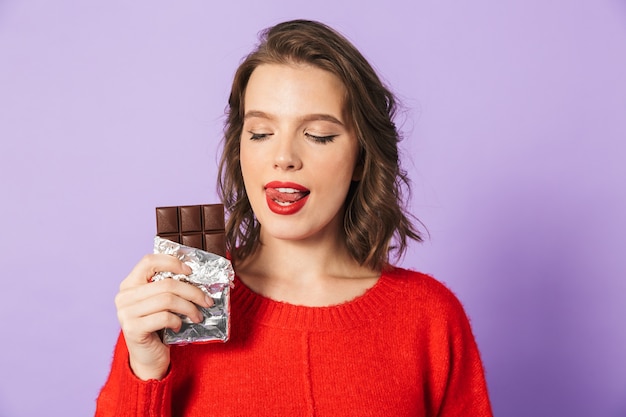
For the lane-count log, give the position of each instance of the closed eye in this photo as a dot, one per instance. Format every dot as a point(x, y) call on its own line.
point(259, 136)
point(321, 139)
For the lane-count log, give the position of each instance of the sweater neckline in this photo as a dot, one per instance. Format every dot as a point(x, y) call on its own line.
point(361, 310)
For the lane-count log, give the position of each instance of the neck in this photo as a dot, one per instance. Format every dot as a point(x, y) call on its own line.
point(313, 272)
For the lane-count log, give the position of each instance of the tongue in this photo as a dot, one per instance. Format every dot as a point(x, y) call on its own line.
point(276, 195)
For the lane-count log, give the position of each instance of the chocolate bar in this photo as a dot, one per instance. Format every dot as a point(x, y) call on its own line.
point(214, 275)
point(199, 226)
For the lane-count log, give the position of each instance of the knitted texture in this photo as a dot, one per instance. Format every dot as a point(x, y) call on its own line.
point(404, 348)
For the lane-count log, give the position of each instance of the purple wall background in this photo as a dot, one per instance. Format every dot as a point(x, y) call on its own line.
point(516, 129)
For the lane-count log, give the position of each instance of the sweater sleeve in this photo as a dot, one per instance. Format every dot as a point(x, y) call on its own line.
point(125, 395)
point(461, 374)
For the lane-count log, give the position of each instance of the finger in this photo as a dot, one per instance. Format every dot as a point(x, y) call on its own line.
point(161, 302)
point(143, 327)
point(181, 289)
point(149, 265)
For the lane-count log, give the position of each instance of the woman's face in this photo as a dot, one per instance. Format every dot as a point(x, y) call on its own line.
point(298, 152)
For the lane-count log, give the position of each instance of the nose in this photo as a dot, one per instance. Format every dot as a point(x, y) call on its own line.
point(287, 156)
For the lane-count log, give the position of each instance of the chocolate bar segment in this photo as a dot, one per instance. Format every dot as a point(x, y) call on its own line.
point(194, 240)
point(214, 242)
point(199, 226)
point(213, 217)
point(167, 220)
point(191, 219)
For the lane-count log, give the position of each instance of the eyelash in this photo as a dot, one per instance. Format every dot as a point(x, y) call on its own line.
point(318, 139)
point(259, 136)
point(321, 139)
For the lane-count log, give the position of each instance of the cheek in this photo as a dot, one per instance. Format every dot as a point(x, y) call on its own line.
point(246, 161)
point(336, 177)
point(342, 166)
point(251, 163)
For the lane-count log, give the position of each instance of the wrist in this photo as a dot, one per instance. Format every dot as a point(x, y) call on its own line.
point(146, 373)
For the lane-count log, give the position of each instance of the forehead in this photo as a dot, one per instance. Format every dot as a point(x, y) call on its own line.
point(294, 89)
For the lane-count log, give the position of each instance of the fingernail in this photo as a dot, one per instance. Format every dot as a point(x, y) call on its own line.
point(208, 300)
point(187, 269)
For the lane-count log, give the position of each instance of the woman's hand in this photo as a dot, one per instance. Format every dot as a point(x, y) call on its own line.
point(144, 308)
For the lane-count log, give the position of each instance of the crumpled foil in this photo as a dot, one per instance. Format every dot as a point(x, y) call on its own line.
point(214, 275)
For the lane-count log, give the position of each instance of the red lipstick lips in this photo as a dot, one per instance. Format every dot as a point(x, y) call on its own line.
point(285, 197)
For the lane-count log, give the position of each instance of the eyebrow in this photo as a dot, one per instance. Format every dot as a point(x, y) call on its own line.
point(307, 118)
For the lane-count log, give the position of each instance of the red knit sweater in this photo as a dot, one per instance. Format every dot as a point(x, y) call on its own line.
point(404, 348)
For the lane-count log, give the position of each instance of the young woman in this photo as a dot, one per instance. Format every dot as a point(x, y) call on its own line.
point(322, 323)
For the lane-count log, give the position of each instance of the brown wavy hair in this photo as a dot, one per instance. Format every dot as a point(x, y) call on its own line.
point(374, 212)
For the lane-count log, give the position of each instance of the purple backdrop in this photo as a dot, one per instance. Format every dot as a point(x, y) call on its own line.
point(515, 140)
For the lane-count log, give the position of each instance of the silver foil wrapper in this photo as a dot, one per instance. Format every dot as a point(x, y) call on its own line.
point(214, 275)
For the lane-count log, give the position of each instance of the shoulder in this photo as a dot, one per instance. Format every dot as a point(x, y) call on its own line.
point(424, 295)
point(420, 285)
